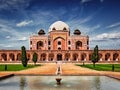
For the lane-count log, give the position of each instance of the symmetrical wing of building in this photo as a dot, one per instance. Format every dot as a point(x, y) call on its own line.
point(59, 45)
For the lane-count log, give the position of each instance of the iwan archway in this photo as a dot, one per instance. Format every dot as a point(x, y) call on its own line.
point(59, 57)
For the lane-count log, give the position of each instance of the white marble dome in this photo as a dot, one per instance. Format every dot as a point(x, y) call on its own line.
point(59, 25)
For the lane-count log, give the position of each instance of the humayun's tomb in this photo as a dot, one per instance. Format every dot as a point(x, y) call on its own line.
point(60, 45)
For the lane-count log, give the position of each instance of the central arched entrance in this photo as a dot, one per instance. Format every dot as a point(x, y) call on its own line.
point(78, 45)
point(59, 57)
point(59, 43)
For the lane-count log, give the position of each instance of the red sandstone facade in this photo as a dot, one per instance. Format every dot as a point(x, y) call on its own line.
point(60, 45)
point(59, 39)
point(64, 55)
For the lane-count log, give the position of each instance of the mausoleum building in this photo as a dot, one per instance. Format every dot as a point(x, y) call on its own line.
point(60, 44)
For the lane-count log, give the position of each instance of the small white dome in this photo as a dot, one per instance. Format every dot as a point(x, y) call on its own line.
point(59, 25)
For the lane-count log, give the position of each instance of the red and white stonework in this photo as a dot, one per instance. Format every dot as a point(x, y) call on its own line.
point(59, 39)
point(60, 45)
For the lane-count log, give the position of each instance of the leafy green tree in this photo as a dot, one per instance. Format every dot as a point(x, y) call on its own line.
point(113, 68)
point(34, 59)
point(95, 55)
point(24, 57)
point(5, 67)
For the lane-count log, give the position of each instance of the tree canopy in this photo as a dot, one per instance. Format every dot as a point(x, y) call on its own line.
point(24, 57)
point(95, 55)
point(34, 59)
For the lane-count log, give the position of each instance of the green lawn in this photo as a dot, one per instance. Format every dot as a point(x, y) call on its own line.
point(16, 67)
point(102, 67)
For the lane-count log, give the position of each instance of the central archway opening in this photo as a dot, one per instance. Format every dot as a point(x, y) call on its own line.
point(59, 57)
point(78, 45)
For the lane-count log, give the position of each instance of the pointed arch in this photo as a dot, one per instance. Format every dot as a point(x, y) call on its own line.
point(43, 56)
point(19, 56)
point(51, 57)
point(40, 45)
point(67, 56)
point(4, 56)
point(59, 57)
point(107, 56)
point(75, 56)
point(83, 56)
point(78, 45)
point(115, 56)
point(12, 57)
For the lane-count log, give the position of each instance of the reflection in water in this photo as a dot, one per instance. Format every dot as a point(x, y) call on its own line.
point(96, 82)
point(22, 82)
point(68, 83)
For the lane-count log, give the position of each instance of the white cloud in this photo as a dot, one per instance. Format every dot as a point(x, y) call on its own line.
point(89, 29)
point(113, 25)
point(84, 1)
point(106, 41)
point(106, 36)
point(8, 46)
point(2, 44)
point(23, 23)
point(12, 45)
point(13, 38)
point(8, 37)
point(85, 20)
point(96, 27)
point(78, 24)
point(13, 4)
point(101, 1)
point(23, 38)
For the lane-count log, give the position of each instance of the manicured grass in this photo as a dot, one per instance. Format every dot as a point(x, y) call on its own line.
point(102, 67)
point(16, 67)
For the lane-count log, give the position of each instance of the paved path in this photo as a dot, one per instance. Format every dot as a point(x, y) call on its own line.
point(47, 68)
point(67, 69)
point(72, 69)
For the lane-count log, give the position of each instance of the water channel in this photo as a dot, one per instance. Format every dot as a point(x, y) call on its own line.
point(67, 83)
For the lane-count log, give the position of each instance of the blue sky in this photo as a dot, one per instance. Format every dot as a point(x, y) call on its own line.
point(100, 19)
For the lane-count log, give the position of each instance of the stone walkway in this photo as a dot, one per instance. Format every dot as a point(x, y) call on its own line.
point(47, 68)
point(72, 69)
point(67, 69)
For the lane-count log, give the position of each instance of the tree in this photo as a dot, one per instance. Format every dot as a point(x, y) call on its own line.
point(5, 67)
point(113, 68)
point(34, 59)
point(24, 57)
point(95, 55)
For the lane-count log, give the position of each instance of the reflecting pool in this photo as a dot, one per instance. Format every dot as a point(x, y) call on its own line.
point(67, 83)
